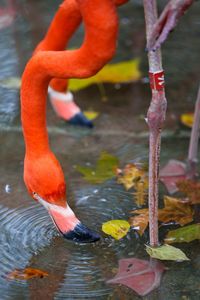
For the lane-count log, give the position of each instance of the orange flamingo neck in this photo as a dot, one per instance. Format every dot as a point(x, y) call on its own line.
point(99, 46)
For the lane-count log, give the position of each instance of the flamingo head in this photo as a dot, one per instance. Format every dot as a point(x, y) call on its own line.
point(45, 182)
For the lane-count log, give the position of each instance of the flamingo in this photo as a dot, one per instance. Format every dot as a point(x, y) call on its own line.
point(56, 39)
point(43, 174)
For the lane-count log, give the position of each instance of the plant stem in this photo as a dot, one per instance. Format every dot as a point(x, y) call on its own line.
point(194, 139)
point(155, 119)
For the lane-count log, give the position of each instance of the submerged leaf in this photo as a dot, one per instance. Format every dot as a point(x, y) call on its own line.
point(140, 222)
point(176, 210)
point(191, 189)
point(166, 252)
point(115, 73)
point(116, 228)
point(105, 169)
point(139, 275)
point(134, 177)
point(186, 234)
point(27, 273)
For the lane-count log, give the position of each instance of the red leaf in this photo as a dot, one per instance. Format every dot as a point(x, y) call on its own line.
point(140, 275)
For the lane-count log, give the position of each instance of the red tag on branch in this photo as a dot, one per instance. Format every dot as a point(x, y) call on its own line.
point(157, 80)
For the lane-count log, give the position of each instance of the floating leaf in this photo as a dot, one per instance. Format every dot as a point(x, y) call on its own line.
point(187, 119)
point(11, 83)
point(171, 173)
point(166, 252)
point(191, 189)
point(105, 169)
point(116, 228)
point(140, 275)
point(115, 73)
point(91, 115)
point(176, 210)
point(140, 222)
point(134, 177)
point(186, 234)
point(28, 273)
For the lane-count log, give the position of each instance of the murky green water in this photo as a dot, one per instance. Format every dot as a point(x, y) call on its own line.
point(28, 237)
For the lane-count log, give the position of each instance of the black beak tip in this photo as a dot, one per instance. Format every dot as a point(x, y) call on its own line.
point(80, 120)
point(82, 234)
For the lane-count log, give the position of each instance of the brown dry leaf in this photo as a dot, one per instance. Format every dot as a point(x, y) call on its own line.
point(175, 210)
point(28, 273)
point(140, 221)
point(134, 177)
point(190, 189)
point(141, 191)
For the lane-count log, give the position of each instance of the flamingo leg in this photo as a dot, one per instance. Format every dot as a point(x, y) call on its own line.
point(155, 120)
point(194, 140)
point(167, 22)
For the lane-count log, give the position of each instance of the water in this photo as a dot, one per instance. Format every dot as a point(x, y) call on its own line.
point(28, 237)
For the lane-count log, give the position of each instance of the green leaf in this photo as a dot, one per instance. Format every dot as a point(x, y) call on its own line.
point(186, 234)
point(116, 228)
point(166, 252)
point(105, 169)
point(115, 73)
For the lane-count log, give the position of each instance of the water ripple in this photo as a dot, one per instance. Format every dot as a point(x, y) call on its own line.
point(23, 233)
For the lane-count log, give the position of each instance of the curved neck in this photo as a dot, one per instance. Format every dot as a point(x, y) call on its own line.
point(100, 21)
point(65, 22)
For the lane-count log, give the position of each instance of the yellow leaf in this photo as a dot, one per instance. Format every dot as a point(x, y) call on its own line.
point(116, 228)
point(114, 73)
point(28, 273)
point(91, 115)
point(187, 119)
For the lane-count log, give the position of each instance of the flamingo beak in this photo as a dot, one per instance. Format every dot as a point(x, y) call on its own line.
point(67, 223)
point(72, 229)
point(82, 234)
